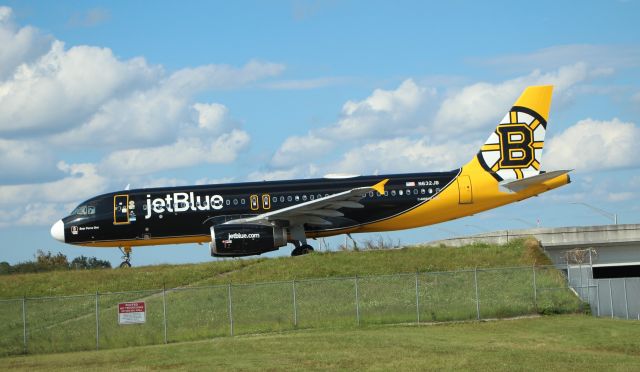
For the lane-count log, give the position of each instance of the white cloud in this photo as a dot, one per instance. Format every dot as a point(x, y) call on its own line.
point(89, 18)
point(296, 149)
point(404, 155)
point(384, 113)
point(18, 45)
point(25, 161)
point(380, 113)
point(594, 145)
point(482, 104)
point(620, 196)
point(164, 111)
point(82, 181)
point(184, 152)
point(301, 171)
point(64, 87)
point(211, 117)
point(303, 84)
point(600, 56)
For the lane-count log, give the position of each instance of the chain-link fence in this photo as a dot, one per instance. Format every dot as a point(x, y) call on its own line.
point(89, 322)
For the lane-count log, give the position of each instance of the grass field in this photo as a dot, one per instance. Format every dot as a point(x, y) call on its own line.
point(317, 265)
point(201, 309)
point(564, 342)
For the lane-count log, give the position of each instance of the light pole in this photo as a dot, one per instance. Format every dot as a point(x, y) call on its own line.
point(613, 216)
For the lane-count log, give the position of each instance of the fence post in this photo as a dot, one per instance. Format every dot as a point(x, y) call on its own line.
point(295, 307)
point(164, 310)
point(230, 309)
point(417, 300)
point(475, 278)
point(24, 323)
point(598, 295)
point(357, 302)
point(626, 303)
point(97, 321)
point(535, 288)
point(611, 298)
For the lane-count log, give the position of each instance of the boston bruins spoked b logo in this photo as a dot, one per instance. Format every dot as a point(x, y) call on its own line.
point(514, 150)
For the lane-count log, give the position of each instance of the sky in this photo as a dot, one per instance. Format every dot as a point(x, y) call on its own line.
point(98, 95)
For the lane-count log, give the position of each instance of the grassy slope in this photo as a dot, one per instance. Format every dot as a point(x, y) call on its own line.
point(316, 265)
point(574, 342)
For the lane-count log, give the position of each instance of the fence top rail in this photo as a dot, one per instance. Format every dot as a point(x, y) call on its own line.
point(280, 282)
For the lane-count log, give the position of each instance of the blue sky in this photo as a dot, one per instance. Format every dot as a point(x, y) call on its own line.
point(97, 95)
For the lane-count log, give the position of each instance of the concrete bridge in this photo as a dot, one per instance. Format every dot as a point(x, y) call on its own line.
point(602, 263)
point(613, 245)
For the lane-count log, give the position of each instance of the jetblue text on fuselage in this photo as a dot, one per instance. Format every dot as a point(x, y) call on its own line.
point(182, 202)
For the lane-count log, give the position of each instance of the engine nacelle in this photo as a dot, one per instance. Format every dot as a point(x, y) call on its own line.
point(234, 240)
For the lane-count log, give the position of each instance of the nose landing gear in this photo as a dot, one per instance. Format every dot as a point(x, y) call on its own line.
point(126, 257)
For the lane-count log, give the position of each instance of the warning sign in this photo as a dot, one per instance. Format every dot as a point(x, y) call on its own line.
point(132, 312)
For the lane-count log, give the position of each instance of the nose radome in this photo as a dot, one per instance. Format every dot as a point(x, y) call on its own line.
point(57, 231)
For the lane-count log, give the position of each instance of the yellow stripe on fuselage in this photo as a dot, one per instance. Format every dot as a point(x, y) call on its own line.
point(445, 206)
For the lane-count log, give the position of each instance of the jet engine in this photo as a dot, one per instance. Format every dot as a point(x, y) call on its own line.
point(241, 239)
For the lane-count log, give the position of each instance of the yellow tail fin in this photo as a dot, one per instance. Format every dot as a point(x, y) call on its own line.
point(514, 150)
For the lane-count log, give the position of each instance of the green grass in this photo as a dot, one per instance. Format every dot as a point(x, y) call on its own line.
point(575, 342)
point(317, 265)
point(200, 308)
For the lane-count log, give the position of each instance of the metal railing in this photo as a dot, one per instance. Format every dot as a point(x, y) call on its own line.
point(86, 322)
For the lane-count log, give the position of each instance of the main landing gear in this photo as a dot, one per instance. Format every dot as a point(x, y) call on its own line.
point(301, 249)
point(126, 257)
point(299, 239)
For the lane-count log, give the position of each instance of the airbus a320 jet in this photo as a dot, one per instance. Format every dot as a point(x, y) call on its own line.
point(242, 219)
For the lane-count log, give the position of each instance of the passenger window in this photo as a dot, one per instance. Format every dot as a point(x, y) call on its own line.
point(91, 210)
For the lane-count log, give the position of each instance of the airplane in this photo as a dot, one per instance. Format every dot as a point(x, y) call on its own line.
point(243, 219)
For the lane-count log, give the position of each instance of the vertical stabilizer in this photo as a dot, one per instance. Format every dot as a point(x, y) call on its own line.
point(514, 150)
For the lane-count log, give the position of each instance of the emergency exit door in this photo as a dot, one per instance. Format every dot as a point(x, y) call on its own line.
point(120, 209)
point(465, 190)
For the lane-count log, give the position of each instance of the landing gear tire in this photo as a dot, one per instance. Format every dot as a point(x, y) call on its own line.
point(303, 249)
point(126, 257)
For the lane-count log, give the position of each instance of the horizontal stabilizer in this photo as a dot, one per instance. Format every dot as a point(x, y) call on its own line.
point(518, 185)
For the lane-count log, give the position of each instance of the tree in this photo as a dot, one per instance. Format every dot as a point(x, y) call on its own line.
point(86, 263)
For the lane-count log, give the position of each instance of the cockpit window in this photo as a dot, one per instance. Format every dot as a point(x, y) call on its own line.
point(84, 210)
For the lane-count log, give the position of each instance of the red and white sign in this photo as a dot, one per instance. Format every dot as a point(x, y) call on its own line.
point(132, 312)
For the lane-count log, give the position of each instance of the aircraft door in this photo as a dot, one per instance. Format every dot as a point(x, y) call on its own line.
point(120, 209)
point(465, 190)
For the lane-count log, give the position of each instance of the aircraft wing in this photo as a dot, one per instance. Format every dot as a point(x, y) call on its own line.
point(312, 212)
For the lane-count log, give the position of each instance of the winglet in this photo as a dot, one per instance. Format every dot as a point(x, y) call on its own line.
point(379, 187)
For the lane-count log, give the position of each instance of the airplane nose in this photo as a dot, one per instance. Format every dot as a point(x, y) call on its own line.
point(57, 231)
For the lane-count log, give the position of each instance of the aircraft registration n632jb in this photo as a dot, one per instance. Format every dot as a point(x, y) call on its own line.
point(242, 219)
